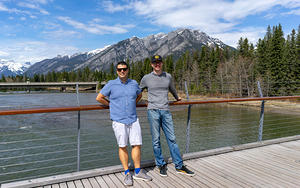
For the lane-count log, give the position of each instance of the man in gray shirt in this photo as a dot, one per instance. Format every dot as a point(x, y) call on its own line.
point(158, 84)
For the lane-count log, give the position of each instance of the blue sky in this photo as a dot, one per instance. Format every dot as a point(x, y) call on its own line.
point(32, 30)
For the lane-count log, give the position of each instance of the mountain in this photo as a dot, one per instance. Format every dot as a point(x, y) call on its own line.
point(134, 49)
point(11, 68)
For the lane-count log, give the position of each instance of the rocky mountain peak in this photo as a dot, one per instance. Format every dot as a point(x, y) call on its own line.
point(134, 49)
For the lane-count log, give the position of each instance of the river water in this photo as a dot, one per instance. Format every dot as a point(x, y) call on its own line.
point(37, 145)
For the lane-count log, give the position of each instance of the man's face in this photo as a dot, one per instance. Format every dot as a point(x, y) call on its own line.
point(122, 71)
point(157, 66)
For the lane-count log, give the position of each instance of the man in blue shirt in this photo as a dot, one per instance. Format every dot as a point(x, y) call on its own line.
point(123, 94)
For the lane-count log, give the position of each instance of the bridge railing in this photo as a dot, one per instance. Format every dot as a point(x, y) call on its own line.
point(38, 142)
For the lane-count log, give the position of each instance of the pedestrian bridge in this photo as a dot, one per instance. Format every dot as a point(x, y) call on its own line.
point(35, 159)
point(272, 163)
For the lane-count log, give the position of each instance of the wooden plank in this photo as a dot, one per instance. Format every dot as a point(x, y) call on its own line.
point(145, 184)
point(292, 145)
point(156, 178)
point(280, 174)
point(227, 180)
point(272, 177)
point(238, 172)
point(249, 167)
point(94, 183)
point(86, 183)
point(108, 181)
point(121, 177)
point(283, 151)
point(101, 181)
point(203, 177)
point(280, 157)
point(175, 179)
point(63, 185)
point(116, 181)
point(71, 184)
point(78, 184)
point(271, 159)
point(55, 186)
point(191, 181)
point(227, 174)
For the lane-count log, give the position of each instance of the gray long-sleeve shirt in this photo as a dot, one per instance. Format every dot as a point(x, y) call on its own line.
point(158, 88)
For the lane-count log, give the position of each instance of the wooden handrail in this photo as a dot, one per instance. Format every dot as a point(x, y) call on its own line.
point(100, 107)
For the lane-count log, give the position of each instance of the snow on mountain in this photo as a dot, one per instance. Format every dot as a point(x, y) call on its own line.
point(96, 51)
point(11, 68)
point(134, 49)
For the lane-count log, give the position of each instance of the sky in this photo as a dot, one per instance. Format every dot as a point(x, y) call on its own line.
point(33, 30)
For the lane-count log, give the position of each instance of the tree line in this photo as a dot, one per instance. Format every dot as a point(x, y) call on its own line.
point(274, 61)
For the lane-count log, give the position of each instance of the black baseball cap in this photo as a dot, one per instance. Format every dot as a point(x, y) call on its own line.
point(156, 58)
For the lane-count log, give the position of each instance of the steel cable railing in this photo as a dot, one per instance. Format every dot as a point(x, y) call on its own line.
point(58, 148)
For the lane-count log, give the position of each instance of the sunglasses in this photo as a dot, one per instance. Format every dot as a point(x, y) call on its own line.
point(156, 62)
point(120, 69)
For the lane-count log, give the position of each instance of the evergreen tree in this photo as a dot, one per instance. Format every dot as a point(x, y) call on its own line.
point(290, 56)
point(3, 78)
point(36, 78)
point(277, 65)
point(169, 64)
point(297, 68)
point(112, 71)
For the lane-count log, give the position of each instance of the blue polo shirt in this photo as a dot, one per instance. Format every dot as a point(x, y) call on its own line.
point(122, 97)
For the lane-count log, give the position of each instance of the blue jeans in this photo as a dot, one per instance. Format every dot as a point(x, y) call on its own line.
point(163, 119)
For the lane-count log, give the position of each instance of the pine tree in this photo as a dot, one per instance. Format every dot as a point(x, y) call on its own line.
point(277, 63)
point(297, 67)
point(3, 78)
point(290, 56)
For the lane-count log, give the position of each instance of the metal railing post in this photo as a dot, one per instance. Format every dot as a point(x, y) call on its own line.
point(187, 144)
point(78, 130)
point(262, 110)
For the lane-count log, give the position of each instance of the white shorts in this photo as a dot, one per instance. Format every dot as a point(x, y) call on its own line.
point(131, 132)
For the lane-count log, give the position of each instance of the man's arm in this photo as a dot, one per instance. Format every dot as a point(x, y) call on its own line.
point(138, 97)
point(101, 98)
point(143, 84)
point(173, 90)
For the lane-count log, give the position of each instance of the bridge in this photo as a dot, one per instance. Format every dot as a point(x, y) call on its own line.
point(263, 163)
point(272, 163)
point(62, 85)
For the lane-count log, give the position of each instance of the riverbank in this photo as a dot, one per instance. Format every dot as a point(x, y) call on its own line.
point(277, 106)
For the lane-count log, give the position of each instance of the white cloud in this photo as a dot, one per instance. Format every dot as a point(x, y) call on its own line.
point(211, 16)
point(95, 28)
point(33, 6)
point(3, 54)
point(41, 1)
point(111, 7)
point(232, 38)
point(4, 8)
point(62, 34)
point(34, 51)
point(294, 12)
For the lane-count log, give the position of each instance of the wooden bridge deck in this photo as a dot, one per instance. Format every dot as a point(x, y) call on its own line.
point(274, 165)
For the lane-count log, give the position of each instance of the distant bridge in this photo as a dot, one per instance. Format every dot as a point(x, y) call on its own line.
point(62, 85)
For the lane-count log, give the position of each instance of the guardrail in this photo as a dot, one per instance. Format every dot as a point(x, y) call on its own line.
point(69, 146)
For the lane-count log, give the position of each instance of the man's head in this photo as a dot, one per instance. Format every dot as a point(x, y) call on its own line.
point(122, 70)
point(156, 63)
